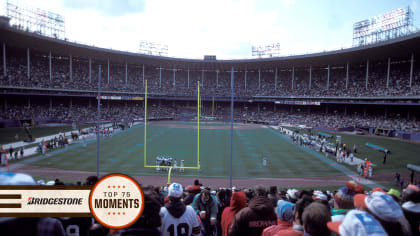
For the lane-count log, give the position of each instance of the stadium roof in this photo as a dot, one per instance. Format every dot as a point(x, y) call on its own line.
point(398, 49)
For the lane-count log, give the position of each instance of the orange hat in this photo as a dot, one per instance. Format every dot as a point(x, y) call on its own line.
point(355, 187)
point(359, 201)
point(413, 187)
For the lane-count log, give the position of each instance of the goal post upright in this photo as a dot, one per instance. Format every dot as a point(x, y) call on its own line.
point(198, 123)
point(145, 122)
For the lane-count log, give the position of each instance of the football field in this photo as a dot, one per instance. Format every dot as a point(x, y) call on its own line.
point(124, 153)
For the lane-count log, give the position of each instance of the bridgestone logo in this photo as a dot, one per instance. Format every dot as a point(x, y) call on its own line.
point(117, 203)
point(55, 201)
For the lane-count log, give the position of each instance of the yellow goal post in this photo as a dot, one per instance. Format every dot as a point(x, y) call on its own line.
point(198, 135)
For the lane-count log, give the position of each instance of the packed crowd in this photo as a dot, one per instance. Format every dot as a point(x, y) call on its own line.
point(197, 210)
point(322, 120)
point(175, 82)
point(84, 113)
point(130, 111)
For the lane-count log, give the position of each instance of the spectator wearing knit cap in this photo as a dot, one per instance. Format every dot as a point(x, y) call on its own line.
point(284, 211)
point(385, 210)
point(357, 223)
point(343, 200)
point(297, 228)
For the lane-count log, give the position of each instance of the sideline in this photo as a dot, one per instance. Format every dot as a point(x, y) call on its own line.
point(351, 174)
point(76, 144)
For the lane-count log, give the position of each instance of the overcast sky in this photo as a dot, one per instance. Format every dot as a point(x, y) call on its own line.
point(226, 28)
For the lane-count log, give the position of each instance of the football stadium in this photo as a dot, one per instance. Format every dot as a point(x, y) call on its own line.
point(318, 130)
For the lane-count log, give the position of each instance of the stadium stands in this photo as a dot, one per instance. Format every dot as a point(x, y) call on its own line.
point(48, 82)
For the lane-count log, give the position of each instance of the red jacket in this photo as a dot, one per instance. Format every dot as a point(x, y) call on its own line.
point(237, 202)
point(281, 225)
point(252, 220)
point(289, 232)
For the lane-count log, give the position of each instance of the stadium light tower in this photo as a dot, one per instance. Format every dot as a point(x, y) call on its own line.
point(393, 24)
point(151, 48)
point(271, 50)
point(36, 20)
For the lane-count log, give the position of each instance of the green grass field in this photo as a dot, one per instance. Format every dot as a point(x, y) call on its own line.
point(124, 153)
point(402, 152)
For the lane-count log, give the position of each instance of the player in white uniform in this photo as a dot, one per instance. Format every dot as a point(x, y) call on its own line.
point(157, 164)
point(265, 161)
point(182, 165)
point(178, 219)
point(175, 165)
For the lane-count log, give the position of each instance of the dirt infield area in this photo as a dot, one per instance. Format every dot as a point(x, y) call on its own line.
point(74, 175)
point(204, 125)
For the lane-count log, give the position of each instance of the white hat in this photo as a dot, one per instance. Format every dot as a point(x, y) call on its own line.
point(7, 178)
point(382, 205)
point(320, 195)
point(291, 193)
point(175, 190)
point(357, 223)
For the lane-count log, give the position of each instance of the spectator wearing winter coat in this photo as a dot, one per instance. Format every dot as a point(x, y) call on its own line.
point(205, 205)
point(237, 202)
point(259, 214)
point(285, 218)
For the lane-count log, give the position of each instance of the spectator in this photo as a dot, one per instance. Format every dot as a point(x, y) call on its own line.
point(343, 202)
point(297, 228)
point(253, 219)
point(205, 205)
point(284, 218)
point(237, 202)
point(91, 180)
point(189, 195)
point(178, 219)
point(385, 210)
point(31, 226)
point(315, 218)
point(272, 195)
point(197, 187)
point(411, 208)
point(357, 223)
point(222, 203)
point(149, 222)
